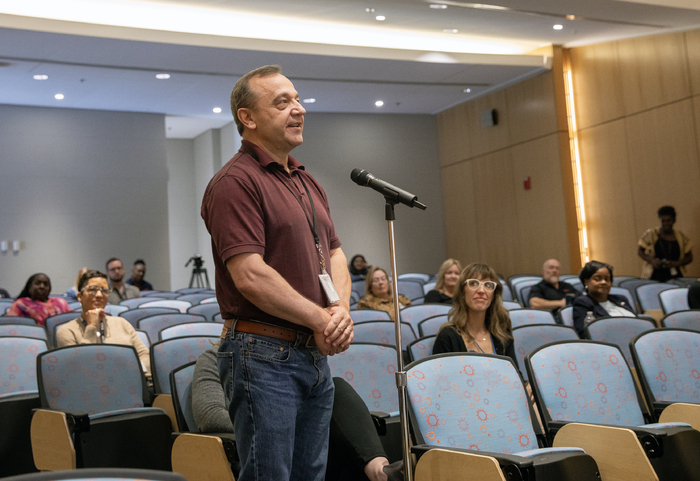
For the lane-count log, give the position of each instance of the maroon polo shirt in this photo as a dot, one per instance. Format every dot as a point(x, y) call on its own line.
point(248, 209)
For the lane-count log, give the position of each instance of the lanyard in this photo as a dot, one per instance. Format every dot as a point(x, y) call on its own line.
point(312, 226)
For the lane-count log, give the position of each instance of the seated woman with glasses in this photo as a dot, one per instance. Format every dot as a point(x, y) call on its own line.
point(597, 279)
point(379, 294)
point(95, 326)
point(34, 301)
point(478, 321)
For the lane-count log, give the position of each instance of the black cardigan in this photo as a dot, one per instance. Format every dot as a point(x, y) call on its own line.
point(584, 303)
point(448, 340)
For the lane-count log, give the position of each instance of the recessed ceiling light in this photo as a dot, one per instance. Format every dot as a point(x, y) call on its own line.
point(466, 91)
point(58, 96)
point(558, 27)
point(571, 17)
point(41, 77)
point(309, 101)
point(379, 103)
point(438, 6)
point(163, 76)
point(217, 110)
point(450, 30)
point(380, 18)
point(369, 10)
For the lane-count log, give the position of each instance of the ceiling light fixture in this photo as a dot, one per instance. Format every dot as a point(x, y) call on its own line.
point(217, 110)
point(59, 96)
point(162, 76)
point(309, 101)
point(450, 30)
point(379, 103)
point(466, 91)
point(558, 27)
point(380, 18)
point(369, 10)
point(41, 77)
point(438, 6)
point(571, 17)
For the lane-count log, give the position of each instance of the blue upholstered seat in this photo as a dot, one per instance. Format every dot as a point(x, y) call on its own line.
point(431, 325)
point(383, 332)
point(208, 310)
point(529, 337)
point(421, 348)
point(689, 319)
point(171, 353)
point(191, 329)
point(523, 317)
point(415, 314)
point(154, 324)
point(363, 315)
point(674, 300)
point(619, 331)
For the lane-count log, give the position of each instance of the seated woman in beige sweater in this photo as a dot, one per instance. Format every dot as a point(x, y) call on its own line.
point(95, 326)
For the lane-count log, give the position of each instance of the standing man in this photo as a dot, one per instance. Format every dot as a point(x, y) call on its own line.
point(551, 293)
point(119, 291)
point(282, 283)
point(664, 249)
point(138, 274)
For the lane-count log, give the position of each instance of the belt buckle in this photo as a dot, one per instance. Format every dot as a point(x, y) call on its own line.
point(309, 341)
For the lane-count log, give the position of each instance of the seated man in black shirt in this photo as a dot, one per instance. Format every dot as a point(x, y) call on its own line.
point(551, 293)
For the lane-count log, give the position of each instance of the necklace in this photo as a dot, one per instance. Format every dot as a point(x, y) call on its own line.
point(475, 338)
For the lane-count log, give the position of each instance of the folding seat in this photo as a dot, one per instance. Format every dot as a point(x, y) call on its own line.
point(619, 331)
point(618, 280)
point(673, 300)
point(18, 396)
point(191, 290)
point(362, 315)
point(359, 286)
point(428, 286)
point(529, 337)
point(154, 324)
point(475, 408)
point(668, 366)
point(689, 319)
point(511, 305)
point(135, 315)
point(415, 276)
point(136, 302)
point(209, 299)
point(421, 348)
point(621, 291)
point(93, 414)
point(23, 330)
point(415, 314)
point(171, 353)
point(411, 289)
point(17, 320)
point(208, 310)
point(587, 398)
point(431, 325)
point(194, 298)
point(52, 322)
point(161, 294)
point(182, 306)
point(632, 284)
point(383, 332)
point(196, 456)
point(648, 295)
point(567, 316)
point(523, 317)
point(114, 309)
point(191, 329)
point(507, 293)
point(143, 335)
point(96, 474)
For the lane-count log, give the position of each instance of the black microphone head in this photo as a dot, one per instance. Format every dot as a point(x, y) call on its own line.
point(355, 175)
point(361, 177)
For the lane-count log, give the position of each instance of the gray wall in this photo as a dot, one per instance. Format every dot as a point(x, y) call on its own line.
point(80, 186)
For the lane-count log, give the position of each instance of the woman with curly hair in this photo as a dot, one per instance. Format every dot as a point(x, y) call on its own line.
point(477, 321)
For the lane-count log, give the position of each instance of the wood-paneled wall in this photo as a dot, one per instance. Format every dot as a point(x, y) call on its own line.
point(489, 216)
point(638, 113)
point(638, 105)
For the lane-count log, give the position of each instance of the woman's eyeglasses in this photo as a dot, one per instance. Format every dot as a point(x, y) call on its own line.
point(93, 290)
point(474, 284)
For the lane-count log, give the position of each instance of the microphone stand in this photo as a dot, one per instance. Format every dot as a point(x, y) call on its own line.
point(400, 374)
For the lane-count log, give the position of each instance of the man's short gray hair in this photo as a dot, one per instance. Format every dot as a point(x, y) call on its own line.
point(243, 97)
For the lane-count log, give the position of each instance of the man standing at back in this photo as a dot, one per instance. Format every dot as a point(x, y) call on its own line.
point(551, 293)
point(282, 283)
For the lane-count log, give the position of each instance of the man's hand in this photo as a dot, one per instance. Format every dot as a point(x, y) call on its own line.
point(94, 316)
point(339, 330)
point(655, 262)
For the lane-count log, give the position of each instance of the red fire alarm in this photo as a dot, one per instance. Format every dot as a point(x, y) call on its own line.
point(526, 183)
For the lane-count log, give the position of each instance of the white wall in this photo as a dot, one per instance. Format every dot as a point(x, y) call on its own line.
point(78, 187)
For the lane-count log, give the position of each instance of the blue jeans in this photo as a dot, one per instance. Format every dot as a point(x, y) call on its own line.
point(281, 398)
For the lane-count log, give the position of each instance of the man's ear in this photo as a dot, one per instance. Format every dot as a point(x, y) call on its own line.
point(246, 117)
point(79, 296)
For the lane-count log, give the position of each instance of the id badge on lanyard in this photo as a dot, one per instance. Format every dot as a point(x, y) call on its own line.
point(323, 277)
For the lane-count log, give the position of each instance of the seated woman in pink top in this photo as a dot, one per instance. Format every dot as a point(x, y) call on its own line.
point(34, 301)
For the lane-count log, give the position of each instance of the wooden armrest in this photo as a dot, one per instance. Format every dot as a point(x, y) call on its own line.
point(201, 458)
point(682, 413)
point(617, 451)
point(165, 402)
point(443, 465)
point(52, 443)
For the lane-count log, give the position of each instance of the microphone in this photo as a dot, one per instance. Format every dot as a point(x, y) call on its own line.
point(390, 192)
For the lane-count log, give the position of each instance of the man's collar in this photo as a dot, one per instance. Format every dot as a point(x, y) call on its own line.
point(264, 159)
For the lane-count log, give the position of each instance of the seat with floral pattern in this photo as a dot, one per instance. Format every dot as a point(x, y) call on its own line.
point(477, 403)
point(529, 337)
point(414, 315)
point(168, 354)
point(421, 348)
point(619, 331)
point(523, 317)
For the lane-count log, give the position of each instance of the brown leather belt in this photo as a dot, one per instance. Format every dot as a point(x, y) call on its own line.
point(261, 329)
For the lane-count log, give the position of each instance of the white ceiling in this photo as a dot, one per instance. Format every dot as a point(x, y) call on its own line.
point(104, 54)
